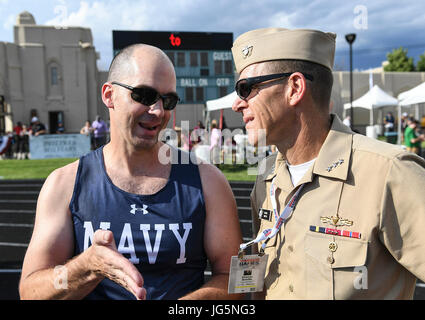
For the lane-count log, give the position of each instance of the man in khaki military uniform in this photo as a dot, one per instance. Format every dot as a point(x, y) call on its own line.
point(357, 230)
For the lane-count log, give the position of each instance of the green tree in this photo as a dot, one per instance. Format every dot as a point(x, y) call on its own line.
point(420, 66)
point(399, 61)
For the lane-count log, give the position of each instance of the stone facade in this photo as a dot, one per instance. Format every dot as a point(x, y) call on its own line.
point(51, 73)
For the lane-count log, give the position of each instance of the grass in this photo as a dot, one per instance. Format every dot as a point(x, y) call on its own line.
point(40, 169)
point(30, 169)
point(238, 172)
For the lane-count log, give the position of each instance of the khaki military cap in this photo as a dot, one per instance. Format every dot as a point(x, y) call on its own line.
point(278, 44)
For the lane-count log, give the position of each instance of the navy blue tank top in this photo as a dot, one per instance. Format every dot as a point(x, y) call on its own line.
point(161, 234)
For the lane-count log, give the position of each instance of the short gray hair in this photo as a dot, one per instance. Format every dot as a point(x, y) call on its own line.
point(320, 87)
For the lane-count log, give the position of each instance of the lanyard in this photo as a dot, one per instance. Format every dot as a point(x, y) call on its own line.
point(267, 234)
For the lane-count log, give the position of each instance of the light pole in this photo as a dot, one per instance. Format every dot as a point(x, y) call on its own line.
point(350, 39)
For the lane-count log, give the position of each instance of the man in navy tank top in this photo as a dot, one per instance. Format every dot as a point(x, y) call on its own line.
point(124, 223)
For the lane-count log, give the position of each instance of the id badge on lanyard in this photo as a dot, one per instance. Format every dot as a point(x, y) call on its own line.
point(247, 271)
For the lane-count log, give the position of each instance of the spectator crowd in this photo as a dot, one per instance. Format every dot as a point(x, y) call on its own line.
point(17, 147)
point(15, 144)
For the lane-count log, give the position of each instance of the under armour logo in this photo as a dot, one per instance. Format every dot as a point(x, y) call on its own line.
point(134, 209)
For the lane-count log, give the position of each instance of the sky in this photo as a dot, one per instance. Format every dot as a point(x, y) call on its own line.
point(379, 25)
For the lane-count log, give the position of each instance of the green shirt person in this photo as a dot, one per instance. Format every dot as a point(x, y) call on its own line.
point(411, 139)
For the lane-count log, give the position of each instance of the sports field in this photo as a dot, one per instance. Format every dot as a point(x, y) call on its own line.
point(40, 169)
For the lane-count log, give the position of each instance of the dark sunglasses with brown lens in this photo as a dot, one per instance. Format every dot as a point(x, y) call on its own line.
point(148, 96)
point(244, 87)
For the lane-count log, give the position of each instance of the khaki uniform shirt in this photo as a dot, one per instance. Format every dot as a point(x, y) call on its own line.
point(373, 188)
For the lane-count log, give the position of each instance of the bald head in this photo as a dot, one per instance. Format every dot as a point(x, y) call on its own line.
point(126, 61)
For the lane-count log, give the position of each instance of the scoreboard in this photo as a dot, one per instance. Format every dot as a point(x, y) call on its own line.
point(202, 60)
point(172, 40)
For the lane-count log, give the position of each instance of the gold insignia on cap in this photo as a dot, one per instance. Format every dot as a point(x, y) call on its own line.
point(246, 51)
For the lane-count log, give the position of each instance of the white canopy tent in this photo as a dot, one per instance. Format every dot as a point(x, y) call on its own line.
point(222, 103)
point(414, 96)
point(375, 98)
point(225, 102)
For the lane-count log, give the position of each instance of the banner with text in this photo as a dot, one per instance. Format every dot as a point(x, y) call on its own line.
point(59, 146)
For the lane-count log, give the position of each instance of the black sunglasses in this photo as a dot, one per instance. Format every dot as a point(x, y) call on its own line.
point(148, 96)
point(243, 87)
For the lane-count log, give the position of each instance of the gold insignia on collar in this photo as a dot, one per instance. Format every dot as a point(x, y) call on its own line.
point(336, 221)
point(246, 51)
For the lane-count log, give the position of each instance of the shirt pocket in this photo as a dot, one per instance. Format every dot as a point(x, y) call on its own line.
point(330, 265)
